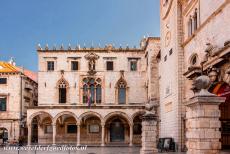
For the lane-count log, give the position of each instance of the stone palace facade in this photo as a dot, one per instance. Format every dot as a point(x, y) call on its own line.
point(93, 95)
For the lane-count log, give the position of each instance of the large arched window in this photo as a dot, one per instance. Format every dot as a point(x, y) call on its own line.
point(121, 88)
point(62, 87)
point(92, 91)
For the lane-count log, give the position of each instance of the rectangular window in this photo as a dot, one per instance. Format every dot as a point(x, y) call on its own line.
point(74, 65)
point(50, 65)
point(133, 65)
point(2, 103)
point(109, 65)
point(3, 80)
point(94, 128)
point(48, 129)
point(71, 129)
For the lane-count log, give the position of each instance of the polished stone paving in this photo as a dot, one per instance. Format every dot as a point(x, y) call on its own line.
point(89, 150)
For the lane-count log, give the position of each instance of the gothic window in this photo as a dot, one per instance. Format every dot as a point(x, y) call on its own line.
point(121, 92)
point(62, 91)
point(2, 103)
point(195, 20)
point(92, 91)
point(190, 27)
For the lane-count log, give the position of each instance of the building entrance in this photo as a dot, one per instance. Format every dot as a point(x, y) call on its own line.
point(117, 131)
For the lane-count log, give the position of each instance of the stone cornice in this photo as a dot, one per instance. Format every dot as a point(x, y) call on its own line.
point(92, 107)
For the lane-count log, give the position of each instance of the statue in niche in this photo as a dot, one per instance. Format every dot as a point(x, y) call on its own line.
point(92, 57)
point(91, 65)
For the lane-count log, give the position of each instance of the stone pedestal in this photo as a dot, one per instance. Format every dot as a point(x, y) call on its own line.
point(149, 134)
point(202, 124)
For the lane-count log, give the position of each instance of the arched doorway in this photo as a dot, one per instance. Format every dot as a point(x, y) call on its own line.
point(117, 131)
point(223, 89)
point(3, 135)
point(118, 128)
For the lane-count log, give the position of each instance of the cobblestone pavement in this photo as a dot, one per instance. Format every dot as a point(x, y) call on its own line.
point(90, 150)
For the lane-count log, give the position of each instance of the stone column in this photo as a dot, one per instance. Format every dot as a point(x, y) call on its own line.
point(102, 134)
point(78, 134)
point(149, 128)
point(131, 135)
point(54, 134)
point(202, 120)
point(29, 135)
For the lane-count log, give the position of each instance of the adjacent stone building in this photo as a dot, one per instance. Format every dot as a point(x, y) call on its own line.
point(93, 95)
point(194, 40)
point(18, 91)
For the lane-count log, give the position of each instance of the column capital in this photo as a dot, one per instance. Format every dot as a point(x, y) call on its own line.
point(78, 125)
point(102, 124)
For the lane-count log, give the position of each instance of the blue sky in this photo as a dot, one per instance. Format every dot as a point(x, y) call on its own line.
point(25, 23)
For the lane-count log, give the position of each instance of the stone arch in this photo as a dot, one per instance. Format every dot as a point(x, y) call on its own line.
point(91, 113)
point(65, 113)
point(137, 113)
point(121, 114)
point(121, 81)
point(39, 113)
point(62, 81)
point(193, 59)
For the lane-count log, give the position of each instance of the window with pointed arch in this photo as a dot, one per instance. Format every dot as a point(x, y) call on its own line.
point(92, 90)
point(62, 86)
point(195, 18)
point(190, 27)
point(121, 88)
